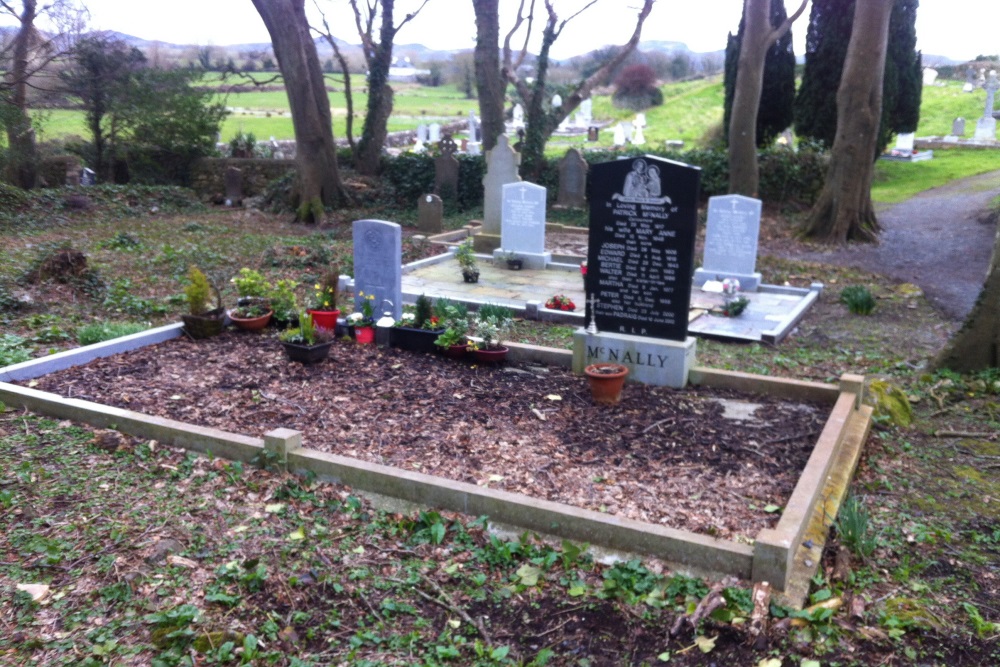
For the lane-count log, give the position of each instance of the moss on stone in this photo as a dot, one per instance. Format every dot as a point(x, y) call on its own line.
point(891, 402)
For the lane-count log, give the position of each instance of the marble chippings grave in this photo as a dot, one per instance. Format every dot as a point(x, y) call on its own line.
point(643, 222)
point(731, 242)
point(523, 227)
point(378, 268)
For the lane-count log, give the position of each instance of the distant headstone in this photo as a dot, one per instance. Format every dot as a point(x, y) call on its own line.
point(564, 125)
point(968, 87)
point(501, 168)
point(523, 230)
point(234, 186)
point(958, 127)
point(640, 120)
point(556, 101)
point(518, 116)
point(430, 211)
point(593, 133)
point(587, 109)
point(986, 127)
point(572, 180)
point(378, 264)
point(904, 142)
point(930, 76)
point(675, 144)
point(619, 139)
point(434, 133)
point(643, 222)
point(638, 138)
point(422, 134)
point(629, 130)
point(473, 130)
point(446, 170)
point(731, 241)
point(786, 139)
point(88, 177)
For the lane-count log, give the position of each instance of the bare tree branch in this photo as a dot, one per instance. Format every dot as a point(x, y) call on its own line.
point(780, 31)
point(342, 61)
point(411, 16)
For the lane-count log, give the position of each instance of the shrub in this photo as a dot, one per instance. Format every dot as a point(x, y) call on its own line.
point(13, 350)
point(636, 88)
point(858, 299)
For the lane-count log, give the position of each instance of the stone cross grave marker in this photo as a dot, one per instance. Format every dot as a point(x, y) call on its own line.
point(430, 211)
point(378, 264)
point(446, 170)
point(643, 222)
point(524, 224)
point(572, 180)
point(501, 168)
point(731, 241)
point(234, 186)
point(986, 127)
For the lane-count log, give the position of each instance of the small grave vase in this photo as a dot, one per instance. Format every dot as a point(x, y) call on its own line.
point(606, 382)
point(364, 335)
point(493, 356)
point(325, 319)
point(307, 354)
point(251, 323)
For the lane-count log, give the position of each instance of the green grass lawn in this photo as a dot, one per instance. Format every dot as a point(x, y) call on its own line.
point(896, 181)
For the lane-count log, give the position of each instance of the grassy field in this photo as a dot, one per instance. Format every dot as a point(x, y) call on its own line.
point(896, 181)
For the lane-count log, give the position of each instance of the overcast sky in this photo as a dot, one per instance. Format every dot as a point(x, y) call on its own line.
point(959, 29)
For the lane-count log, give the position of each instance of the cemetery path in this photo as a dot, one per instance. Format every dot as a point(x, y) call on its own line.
point(939, 240)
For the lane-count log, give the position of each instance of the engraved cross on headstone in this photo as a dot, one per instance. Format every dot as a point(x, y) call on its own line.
point(592, 327)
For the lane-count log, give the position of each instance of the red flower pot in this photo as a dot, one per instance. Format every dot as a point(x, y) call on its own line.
point(324, 319)
point(456, 351)
point(364, 335)
point(491, 356)
point(606, 382)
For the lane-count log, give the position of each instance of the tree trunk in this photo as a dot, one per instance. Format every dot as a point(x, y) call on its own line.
point(373, 136)
point(491, 84)
point(20, 134)
point(758, 36)
point(843, 211)
point(975, 346)
point(295, 51)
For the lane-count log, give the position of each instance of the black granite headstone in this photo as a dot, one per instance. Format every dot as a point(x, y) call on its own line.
point(643, 222)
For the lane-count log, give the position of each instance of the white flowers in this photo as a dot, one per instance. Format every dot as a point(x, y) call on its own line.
point(354, 318)
point(408, 318)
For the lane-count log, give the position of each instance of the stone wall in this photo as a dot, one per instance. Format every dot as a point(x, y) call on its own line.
point(209, 176)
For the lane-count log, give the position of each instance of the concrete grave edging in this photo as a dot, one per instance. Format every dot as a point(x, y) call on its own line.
point(781, 555)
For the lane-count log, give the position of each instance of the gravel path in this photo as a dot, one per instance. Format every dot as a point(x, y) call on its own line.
point(934, 240)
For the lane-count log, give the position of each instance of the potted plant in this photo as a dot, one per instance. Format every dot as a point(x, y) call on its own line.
point(243, 144)
point(514, 263)
point(363, 319)
point(606, 382)
point(490, 330)
point(202, 321)
point(324, 306)
point(454, 341)
point(467, 261)
point(284, 304)
point(561, 302)
point(417, 327)
point(306, 343)
point(252, 312)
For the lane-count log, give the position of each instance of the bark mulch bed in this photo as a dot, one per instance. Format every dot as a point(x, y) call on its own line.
point(662, 456)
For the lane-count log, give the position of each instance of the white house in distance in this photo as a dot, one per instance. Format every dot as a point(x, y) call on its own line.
point(403, 71)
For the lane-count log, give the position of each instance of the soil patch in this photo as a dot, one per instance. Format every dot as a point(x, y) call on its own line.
point(713, 462)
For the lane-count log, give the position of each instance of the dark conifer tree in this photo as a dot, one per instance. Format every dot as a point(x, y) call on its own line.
point(775, 112)
point(903, 85)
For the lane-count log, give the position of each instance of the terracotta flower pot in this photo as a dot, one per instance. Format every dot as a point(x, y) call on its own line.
point(325, 319)
point(456, 351)
point(606, 382)
point(494, 356)
point(251, 323)
point(364, 335)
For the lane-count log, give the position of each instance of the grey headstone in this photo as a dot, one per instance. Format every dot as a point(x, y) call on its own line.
point(731, 241)
point(446, 172)
point(958, 127)
point(501, 168)
point(473, 128)
point(88, 177)
point(518, 115)
point(593, 133)
point(430, 210)
point(378, 264)
point(422, 134)
point(234, 186)
point(434, 131)
point(572, 180)
point(523, 218)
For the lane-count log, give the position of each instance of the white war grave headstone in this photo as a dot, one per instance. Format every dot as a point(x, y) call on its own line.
point(524, 225)
point(518, 115)
point(643, 223)
point(731, 242)
point(501, 168)
point(434, 132)
point(904, 142)
point(378, 265)
point(619, 139)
